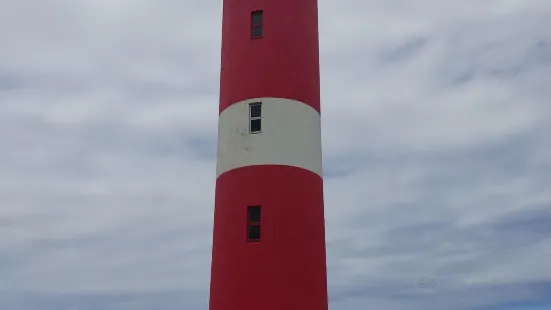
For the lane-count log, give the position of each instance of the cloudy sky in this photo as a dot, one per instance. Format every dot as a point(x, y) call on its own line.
point(437, 156)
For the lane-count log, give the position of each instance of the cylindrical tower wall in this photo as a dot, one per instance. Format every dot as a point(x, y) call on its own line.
point(269, 159)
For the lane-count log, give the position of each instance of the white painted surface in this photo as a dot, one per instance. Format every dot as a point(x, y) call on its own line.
point(291, 135)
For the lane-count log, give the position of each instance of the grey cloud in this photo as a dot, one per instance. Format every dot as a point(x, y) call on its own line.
point(534, 223)
point(90, 301)
point(405, 50)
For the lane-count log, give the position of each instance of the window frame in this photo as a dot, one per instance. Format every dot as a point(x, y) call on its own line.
point(250, 223)
point(251, 118)
point(257, 25)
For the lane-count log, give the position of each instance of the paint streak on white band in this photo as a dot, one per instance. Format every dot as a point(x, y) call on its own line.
point(290, 135)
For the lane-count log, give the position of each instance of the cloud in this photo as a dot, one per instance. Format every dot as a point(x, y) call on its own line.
point(436, 156)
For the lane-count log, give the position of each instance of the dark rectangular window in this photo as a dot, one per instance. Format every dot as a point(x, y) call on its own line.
point(254, 214)
point(254, 233)
point(256, 125)
point(257, 19)
point(255, 117)
point(256, 109)
point(253, 223)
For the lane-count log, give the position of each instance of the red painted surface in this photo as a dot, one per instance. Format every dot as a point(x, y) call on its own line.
point(286, 270)
point(282, 64)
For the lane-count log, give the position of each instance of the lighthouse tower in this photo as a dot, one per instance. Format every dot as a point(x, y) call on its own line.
point(269, 235)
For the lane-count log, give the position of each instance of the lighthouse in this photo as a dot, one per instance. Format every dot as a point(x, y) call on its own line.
point(269, 234)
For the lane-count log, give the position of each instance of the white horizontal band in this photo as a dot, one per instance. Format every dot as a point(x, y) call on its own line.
point(290, 135)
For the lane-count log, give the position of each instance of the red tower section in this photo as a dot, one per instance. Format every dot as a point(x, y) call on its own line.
point(269, 235)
